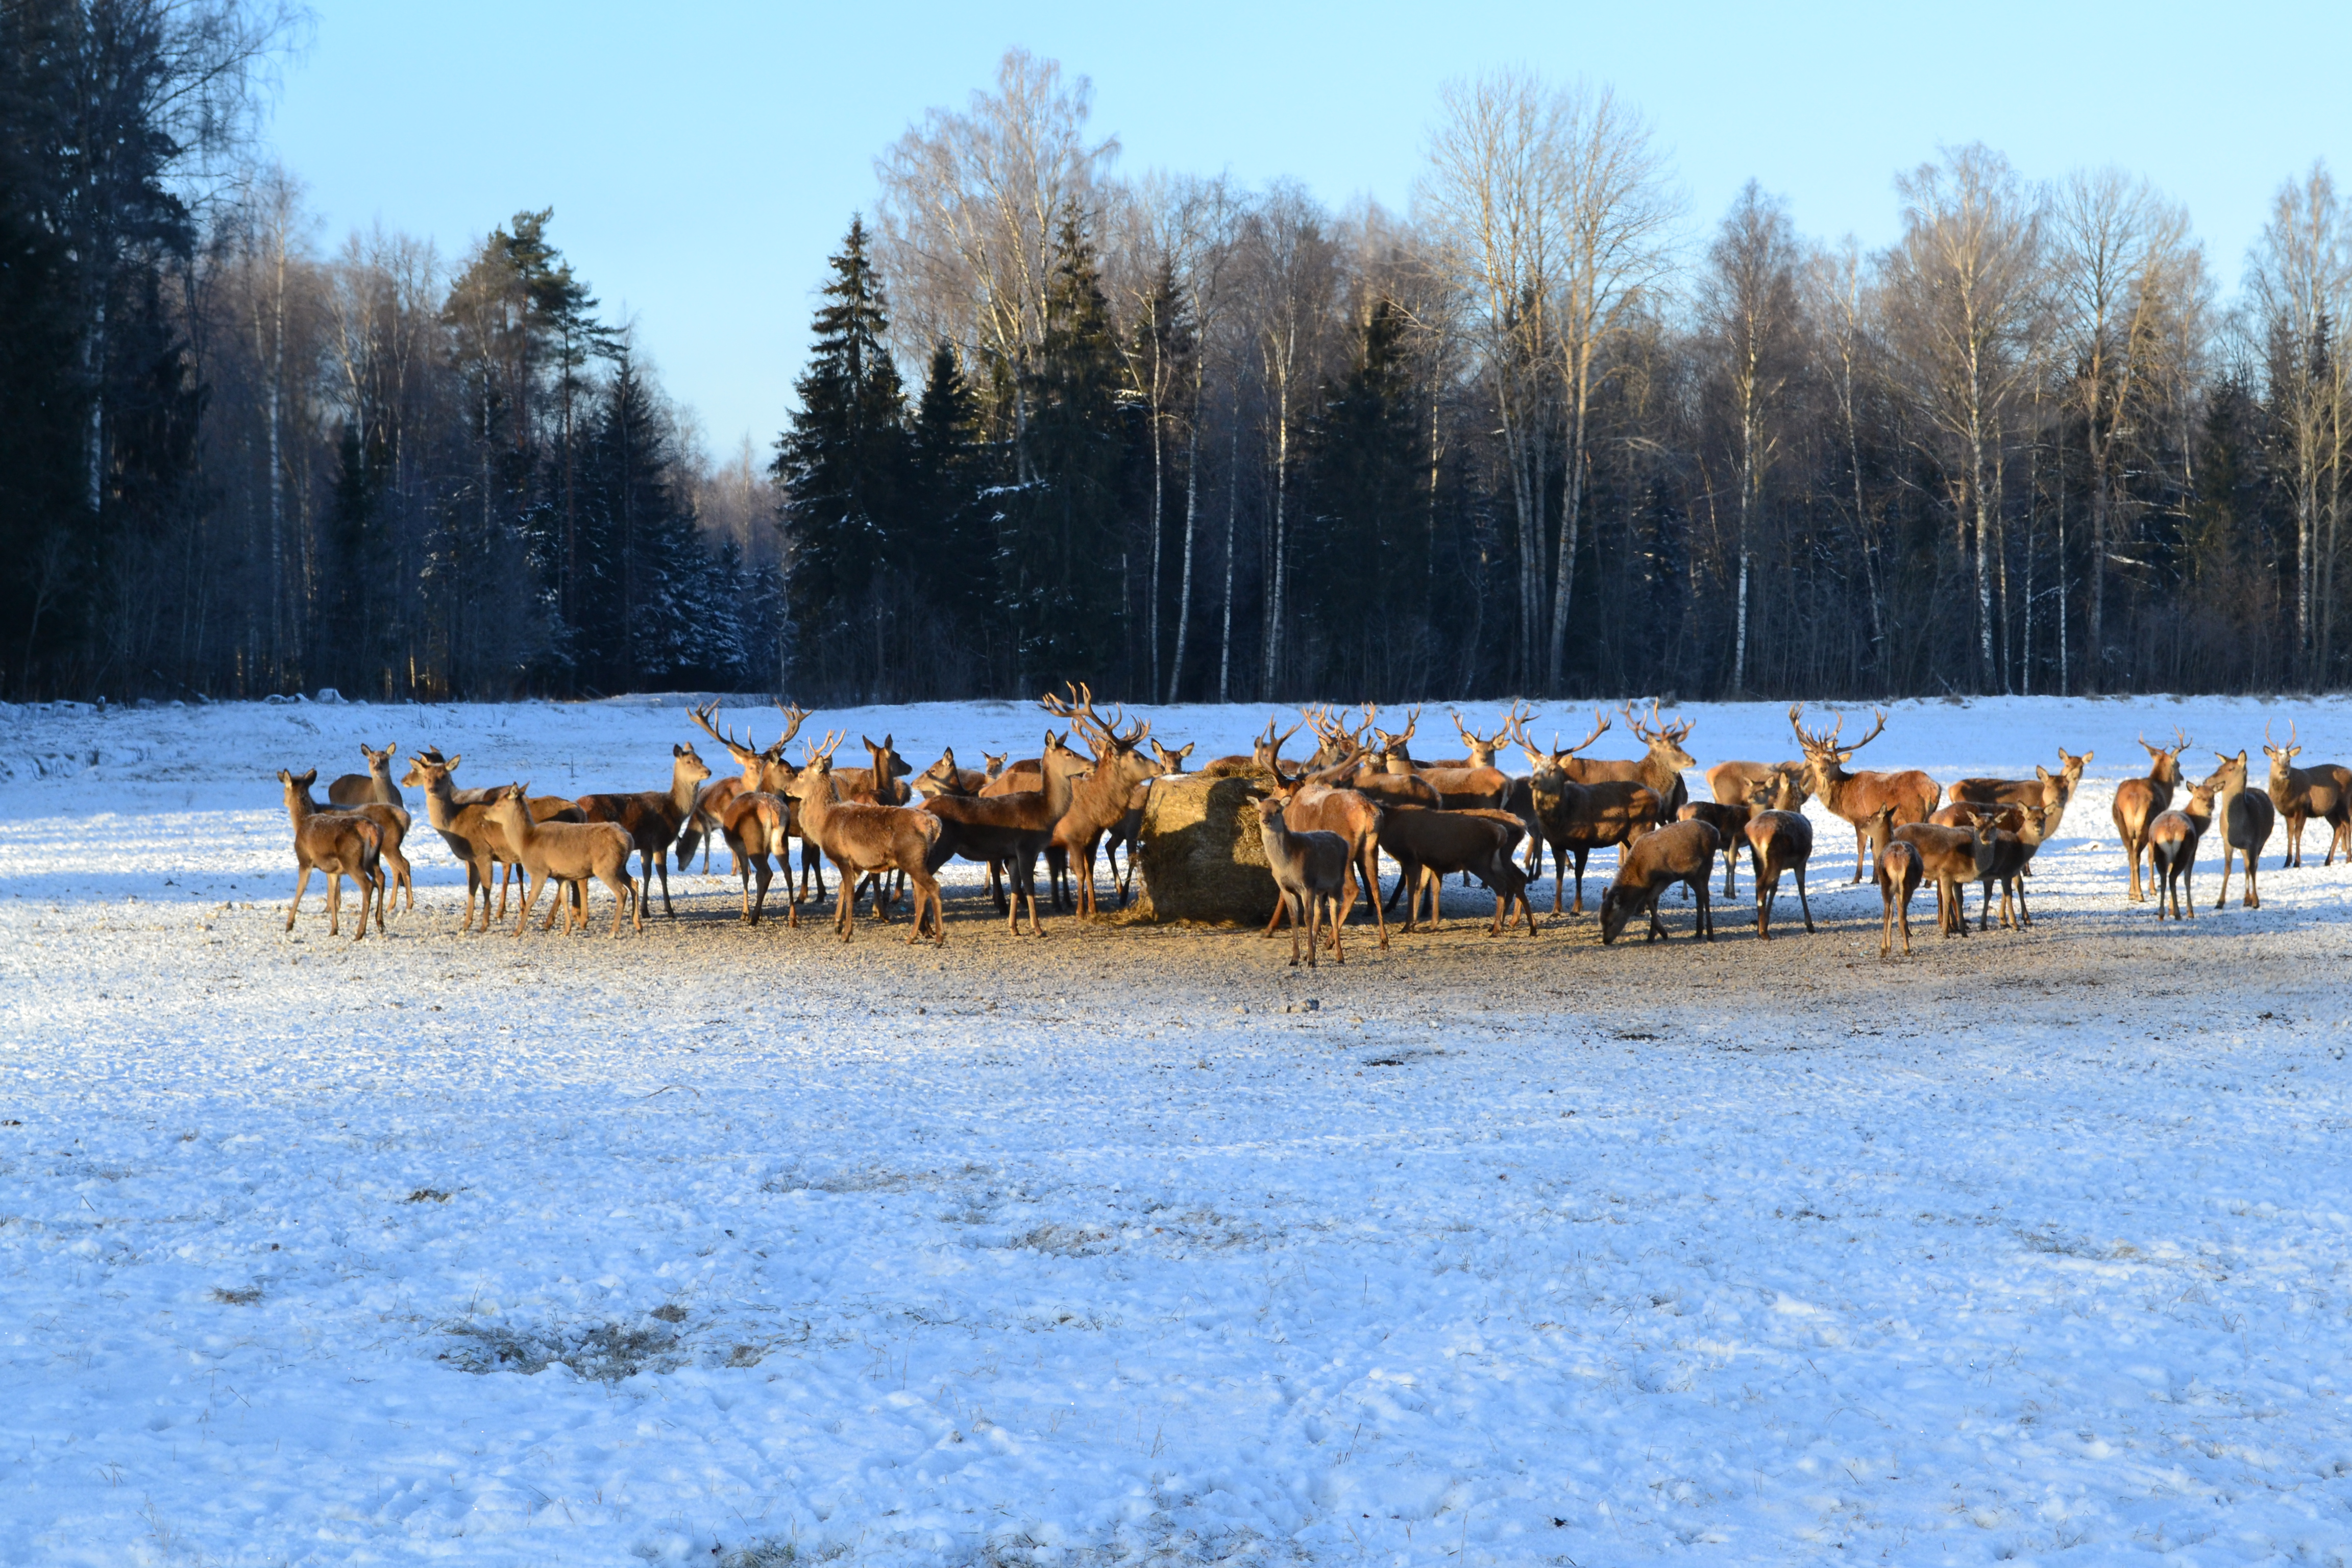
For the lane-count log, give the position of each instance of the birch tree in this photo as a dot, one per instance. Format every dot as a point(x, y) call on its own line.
point(971, 206)
point(2299, 278)
point(2115, 257)
point(1963, 288)
point(1747, 299)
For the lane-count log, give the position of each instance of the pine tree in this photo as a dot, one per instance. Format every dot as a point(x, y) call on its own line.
point(841, 466)
point(642, 559)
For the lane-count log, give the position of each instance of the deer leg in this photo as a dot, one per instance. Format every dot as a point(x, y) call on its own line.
point(2254, 898)
point(1802, 902)
point(529, 896)
point(1860, 840)
point(300, 883)
point(1764, 892)
point(1705, 909)
point(1731, 871)
point(1372, 882)
point(1577, 907)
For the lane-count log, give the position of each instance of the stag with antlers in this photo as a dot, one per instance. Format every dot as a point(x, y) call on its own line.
point(1858, 796)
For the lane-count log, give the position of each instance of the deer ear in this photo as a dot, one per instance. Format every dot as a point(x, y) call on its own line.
point(2041, 773)
point(308, 779)
point(451, 766)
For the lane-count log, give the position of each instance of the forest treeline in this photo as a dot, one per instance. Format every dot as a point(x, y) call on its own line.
point(1545, 432)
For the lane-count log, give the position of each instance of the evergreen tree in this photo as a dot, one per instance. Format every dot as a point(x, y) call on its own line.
point(841, 468)
point(1369, 487)
point(1063, 563)
point(949, 541)
point(641, 561)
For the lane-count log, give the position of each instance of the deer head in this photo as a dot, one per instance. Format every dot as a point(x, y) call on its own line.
point(1664, 740)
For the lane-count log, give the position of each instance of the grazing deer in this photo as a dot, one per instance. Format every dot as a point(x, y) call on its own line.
point(1680, 852)
point(1857, 796)
point(1013, 828)
point(1430, 846)
point(1316, 805)
point(1309, 869)
point(1951, 858)
point(1577, 819)
point(1660, 772)
point(2302, 793)
point(2139, 802)
point(653, 817)
point(864, 839)
point(1778, 841)
point(2172, 850)
point(568, 853)
point(1899, 870)
point(340, 844)
point(373, 786)
point(392, 824)
point(2247, 818)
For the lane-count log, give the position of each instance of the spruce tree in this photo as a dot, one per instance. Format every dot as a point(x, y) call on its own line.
point(1369, 485)
point(841, 468)
point(949, 543)
point(1062, 570)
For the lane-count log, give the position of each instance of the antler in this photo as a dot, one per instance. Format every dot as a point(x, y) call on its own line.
point(1874, 728)
point(1600, 727)
point(2182, 742)
point(1515, 726)
point(795, 717)
point(1813, 740)
point(812, 753)
point(742, 751)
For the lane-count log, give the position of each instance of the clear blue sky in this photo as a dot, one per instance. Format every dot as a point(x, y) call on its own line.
point(703, 158)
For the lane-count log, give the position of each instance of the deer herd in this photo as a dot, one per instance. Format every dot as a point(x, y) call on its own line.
point(1324, 823)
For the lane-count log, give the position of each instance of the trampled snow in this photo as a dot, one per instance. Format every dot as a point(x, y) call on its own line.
point(733, 1245)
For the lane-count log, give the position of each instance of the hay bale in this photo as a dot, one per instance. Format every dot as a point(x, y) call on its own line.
point(1202, 856)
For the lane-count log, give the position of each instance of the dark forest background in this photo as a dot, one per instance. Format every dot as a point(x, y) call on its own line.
point(1547, 433)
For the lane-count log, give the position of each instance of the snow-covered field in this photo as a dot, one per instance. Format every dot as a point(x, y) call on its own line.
point(739, 1246)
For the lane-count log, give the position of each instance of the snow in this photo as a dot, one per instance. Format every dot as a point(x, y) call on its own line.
point(742, 1246)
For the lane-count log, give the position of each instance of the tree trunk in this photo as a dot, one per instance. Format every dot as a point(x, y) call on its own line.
point(1571, 503)
point(1233, 507)
point(1191, 512)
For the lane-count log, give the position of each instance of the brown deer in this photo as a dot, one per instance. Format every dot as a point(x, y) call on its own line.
point(1681, 852)
point(2014, 846)
point(1778, 841)
point(1430, 846)
point(1128, 833)
point(1309, 869)
point(2301, 794)
point(1013, 828)
point(1754, 783)
point(1951, 858)
point(757, 824)
point(2247, 818)
point(391, 825)
point(1730, 824)
point(1857, 796)
point(568, 853)
point(1315, 804)
point(653, 817)
point(1576, 819)
point(2172, 840)
point(1660, 772)
point(1899, 871)
point(764, 769)
point(2044, 788)
point(2139, 802)
point(340, 844)
point(464, 826)
point(1265, 754)
point(371, 787)
point(863, 840)
point(1098, 798)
